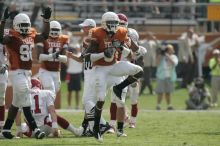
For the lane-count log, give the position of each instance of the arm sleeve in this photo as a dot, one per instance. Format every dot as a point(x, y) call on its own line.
point(62, 58)
point(96, 56)
point(45, 57)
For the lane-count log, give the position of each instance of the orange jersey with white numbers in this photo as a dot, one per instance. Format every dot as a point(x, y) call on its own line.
point(104, 41)
point(52, 45)
point(20, 49)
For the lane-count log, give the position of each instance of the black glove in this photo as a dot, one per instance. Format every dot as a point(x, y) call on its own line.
point(6, 14)
point(87, 57)
point(108, 52)
point(3, 69)
point(47, 13)
point(117, 44)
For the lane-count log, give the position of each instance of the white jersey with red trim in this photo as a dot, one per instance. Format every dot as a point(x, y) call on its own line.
point(40, 101)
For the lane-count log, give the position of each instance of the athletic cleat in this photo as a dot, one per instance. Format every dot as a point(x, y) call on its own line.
point(79, 131)
point(39, 135)
point(111, 130)
point(97, 135)
point(117, 92)
point(121, 134)
point(131, 125)
point(104, 128)
point(7, 134)
point(88, 133)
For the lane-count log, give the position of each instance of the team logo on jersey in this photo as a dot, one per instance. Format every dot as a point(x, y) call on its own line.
point(28, 40)
point(54, 44)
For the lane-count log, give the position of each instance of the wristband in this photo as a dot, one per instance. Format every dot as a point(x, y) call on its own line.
point(54, 125)
point(46, 20)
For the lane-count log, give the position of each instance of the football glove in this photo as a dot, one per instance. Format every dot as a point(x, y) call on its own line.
point(117, 44)
point(109, 52)
point(55, 55)
point(3, 68)
point(6, 14)
point(47, 13)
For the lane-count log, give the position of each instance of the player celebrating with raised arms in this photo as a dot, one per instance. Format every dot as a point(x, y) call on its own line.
point(19, 43)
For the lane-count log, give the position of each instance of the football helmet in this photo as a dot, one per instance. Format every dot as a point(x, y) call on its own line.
point(22, 23)
point(123, 20)
point(133, 34)
point(36, 83)
point(110, 22)
point(55, 29)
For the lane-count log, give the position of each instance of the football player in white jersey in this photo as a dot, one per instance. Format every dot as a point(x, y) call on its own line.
point(3, 83)
point(89, 96)
point(44, 113)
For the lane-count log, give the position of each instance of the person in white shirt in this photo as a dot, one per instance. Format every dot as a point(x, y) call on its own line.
point(74, 74)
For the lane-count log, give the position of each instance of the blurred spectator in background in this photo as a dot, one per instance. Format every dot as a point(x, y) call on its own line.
point(2, 3)
point(188, 45)
point(166, 74)
point(65, 31)
point(74, 75)
point(197, 96)
point(13, 11)
point(214, 64)
point(149, 62)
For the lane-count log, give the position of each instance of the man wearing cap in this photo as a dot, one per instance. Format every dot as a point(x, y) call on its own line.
point(214, 65)
point(166, 75)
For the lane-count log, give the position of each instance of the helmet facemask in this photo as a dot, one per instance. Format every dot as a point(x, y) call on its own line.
point(24, 28)
point(55, 32)
point(111, 26)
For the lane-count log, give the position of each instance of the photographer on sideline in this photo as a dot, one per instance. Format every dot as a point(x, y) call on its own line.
point(166, 62)
point(197, 95)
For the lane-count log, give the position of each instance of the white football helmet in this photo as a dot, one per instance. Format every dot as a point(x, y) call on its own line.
point(55, 29)
point(110, 22)
point(133, 34)
point(22, 23)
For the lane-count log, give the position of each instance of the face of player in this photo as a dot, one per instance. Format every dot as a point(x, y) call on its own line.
point(86, 29)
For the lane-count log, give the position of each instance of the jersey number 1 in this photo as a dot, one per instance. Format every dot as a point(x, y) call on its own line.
point(37, 109)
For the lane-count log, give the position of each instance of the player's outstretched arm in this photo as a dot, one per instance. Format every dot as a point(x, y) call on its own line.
point(46, 29)
point(2, 26)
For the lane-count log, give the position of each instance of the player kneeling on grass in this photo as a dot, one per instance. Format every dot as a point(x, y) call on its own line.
point(197, 95)
point(45, 115)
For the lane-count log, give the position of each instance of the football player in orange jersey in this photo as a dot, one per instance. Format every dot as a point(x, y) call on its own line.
point(51, 54)
point(19, 43)
point(111, 39)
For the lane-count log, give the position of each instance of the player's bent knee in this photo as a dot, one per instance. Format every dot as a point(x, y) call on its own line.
point(120, 104)
point(139, 74)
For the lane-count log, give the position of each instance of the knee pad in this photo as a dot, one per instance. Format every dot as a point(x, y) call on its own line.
point(89, 106)
point(2, 94)
point(120, 104)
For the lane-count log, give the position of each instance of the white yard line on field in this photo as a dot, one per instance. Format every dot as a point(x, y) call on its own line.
point(147, 110)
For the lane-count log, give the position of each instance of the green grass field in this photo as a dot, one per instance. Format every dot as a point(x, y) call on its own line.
point(154, 128)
